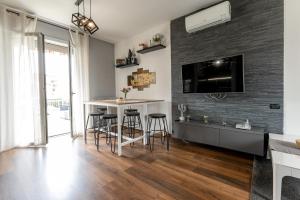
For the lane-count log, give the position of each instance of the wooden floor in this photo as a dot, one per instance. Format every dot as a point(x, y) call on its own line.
point(69, 169)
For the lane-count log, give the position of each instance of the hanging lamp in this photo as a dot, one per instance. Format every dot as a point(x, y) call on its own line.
point(90, 25)
point(81, 21)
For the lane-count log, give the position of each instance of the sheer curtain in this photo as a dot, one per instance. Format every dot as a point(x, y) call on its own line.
point(20, 112)
point(80, 78)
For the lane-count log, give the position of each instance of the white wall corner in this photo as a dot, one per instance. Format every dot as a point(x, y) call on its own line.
point(291, 67)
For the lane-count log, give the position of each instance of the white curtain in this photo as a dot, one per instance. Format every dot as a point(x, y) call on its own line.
point(20, 111)
point(80, 78)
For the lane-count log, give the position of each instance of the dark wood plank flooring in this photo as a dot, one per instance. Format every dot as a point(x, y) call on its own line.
point(69, 169)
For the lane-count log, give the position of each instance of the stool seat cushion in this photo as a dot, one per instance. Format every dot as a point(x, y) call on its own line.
point(96, 114)
point(132, 114)
point(157, 115)
point(110, 116)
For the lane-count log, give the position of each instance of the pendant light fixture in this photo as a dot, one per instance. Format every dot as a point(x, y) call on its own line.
point(77, 17)
point(84, 19)
point(90, 25)
point(81, 21)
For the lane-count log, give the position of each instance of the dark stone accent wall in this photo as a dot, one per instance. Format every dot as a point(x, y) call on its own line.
point(256, 30)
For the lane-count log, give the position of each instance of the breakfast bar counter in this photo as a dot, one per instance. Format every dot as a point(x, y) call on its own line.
point(120, 105)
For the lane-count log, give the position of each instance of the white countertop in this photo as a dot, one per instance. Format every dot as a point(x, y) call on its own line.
point(118, 102)
point(285, 138)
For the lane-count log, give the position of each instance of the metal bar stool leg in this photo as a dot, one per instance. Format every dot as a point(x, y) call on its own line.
point(140, 124)
point(116, 136)
point(123, 127)
point(94, 127)
point(113, 146)
point(147, 124)
point(107, 133)
point(153, 136)
point(85, 129)
point(133, 129)
point(98, 138)
point(149, 132)
point(166, 132)
point(130, 127)
point(161, 133)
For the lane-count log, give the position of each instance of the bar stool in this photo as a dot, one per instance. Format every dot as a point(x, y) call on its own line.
point(94, 116)
point(131, 120)
point(125, 120)
point(161, 120)
point(110, 123)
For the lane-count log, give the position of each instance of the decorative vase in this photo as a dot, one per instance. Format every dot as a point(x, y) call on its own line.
point(182, 109)
point(181, 118)
point(205, 119)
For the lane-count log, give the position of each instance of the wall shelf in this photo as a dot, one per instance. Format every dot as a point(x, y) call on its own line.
point(152, 48)
point(127, 65)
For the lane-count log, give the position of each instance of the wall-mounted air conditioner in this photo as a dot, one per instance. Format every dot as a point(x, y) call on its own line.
point(211, 16)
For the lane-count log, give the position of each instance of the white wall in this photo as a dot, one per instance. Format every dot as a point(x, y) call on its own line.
point(157, 61)
point(292, 67)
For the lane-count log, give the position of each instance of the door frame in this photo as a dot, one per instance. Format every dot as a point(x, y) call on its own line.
point(41, 50)
point(42, 83)
point(71, 89)
point(49, 38)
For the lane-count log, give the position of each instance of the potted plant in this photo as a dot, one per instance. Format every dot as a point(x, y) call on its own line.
point(125, 91)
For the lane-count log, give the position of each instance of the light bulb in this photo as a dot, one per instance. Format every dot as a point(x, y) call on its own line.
point(91, 25)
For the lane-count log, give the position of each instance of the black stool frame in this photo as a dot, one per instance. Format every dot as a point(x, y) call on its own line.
point(163, 129)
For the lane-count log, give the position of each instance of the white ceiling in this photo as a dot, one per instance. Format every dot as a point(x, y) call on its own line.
point(117, 19)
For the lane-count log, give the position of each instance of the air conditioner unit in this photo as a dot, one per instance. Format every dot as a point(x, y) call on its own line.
point(211, 16)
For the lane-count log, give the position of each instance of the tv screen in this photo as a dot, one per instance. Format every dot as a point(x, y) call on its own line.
point(214, 76)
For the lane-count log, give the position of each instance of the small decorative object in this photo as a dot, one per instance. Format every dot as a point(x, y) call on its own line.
point(121, 61)
point(245, 126)
point(128, 59)
point(157, 38)
point(182, 109)
point(143, 45)
point(125, 91)
point(141, 79)
point(224, 123)
point(188, 118)
point(129, 53)
point(205, 119)
point(298, 143)
point(133, 58)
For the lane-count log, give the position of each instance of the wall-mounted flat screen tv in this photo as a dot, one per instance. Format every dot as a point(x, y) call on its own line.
point(221, 75)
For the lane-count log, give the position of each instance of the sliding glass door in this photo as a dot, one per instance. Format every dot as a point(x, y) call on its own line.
point(58, 88)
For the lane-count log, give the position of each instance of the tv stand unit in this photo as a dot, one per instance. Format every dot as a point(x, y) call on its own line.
point(252, 141)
